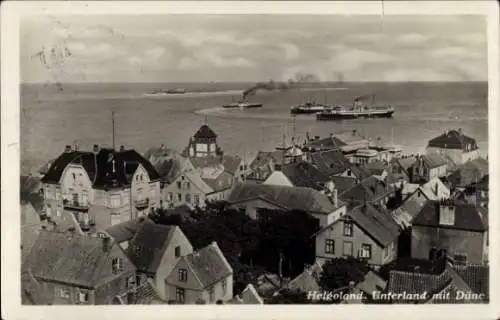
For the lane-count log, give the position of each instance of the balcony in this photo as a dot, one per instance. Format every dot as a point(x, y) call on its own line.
point(141, 204)
point(76, 206)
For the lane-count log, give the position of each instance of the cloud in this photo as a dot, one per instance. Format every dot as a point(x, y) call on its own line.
point(456, 52)
point(353, 59)
point(155, 53)
point(292, 52)
point(413, 39)
point(415, 74)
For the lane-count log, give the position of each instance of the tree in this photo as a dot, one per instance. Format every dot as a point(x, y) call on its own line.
point(339, 272)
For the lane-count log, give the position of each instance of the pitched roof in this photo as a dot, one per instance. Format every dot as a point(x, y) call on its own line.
point(369, 189)
point(452, 139)
point(469, 172)
point(434, 189)
point(375, 167)
point(405, 214)
point(263, 158)
point(330, 162)
point(325, 143)
point(100, 167)
point(304, 174)
point(343, 184)
point(222, 182)
point(205, 132)
point(292, 198)
point(406, 162)
point(476, 277)
point(77, 260)
point(147, 247)
point(229, 163)
point(209, 264)
point(144, 294)
point(249, 295)
point(434, 160)
point(307, 280)
point(401, 282)
point(125, 231)
point(378, 225)
point(467, 217)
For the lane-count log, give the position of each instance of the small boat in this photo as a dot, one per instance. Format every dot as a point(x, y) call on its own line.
point(166, 92)
point(242, 105)
point(357, 111)
point(308, 108)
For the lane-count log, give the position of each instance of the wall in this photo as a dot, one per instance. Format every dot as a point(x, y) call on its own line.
point(358, 238)
point(458, 156)
point(174, 191)
point(49, 289)
point(80, 185)
point(326, 219)
point(192, 287)
point(459, 241)
point(277, 178)
point(251, 207)
point(169, 260)
point(140, 191)
point(219, 293)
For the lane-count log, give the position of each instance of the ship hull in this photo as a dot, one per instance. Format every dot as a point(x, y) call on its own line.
point(245, 106)
point(305, 111)
point(354, 115)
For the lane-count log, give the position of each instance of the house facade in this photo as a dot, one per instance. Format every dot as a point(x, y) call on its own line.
point(62, 270)
point(122, 182)
point(155, 250)
point(362, 233)
point(203, 277)
point(455, 145)
point(427, 167)
point(452, 228)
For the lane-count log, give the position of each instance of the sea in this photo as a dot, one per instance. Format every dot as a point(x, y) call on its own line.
point(55, 115)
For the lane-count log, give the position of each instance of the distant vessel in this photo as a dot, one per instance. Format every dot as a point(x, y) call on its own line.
point(242, 105)
point(308, 108)
point(167, 92)
point(358, 110)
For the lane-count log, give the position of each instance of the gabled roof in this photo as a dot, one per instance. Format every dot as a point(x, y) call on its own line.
point(476, 277)
point(378, 225)
point(209, 265)
point(248, 296)
point(469, 172)
point(343, 184)
point(401, 282)
point(205, 132)
point(264, 158)
point(430, 191)
point(125, 231)
point(406, 162)
point(325, 143)
point(433, 160)
point(304, 174)
point(291, 198)
point(369, 189)
point(99, 167)
point(147, 247)
point(405, 214)
point(467, 217)
point(229, 163)
point(452, 139)
point(375, 167)
point(330, 162)
point(307, 280)
point(76, 260)
point(222, 182)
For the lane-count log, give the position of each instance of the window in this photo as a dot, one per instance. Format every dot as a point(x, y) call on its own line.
point(131, 282)
point(366, 251)
point(179, 185)
point(196, 199)
point(211, 293)
point(182, 178)
point(188, 197)
point(348, 228)
point(329, 246)
point(241, 168)
point(117, 265)
point(349, 172)
point(177, 251)
point(83, 297)
point(224, 286)
point(460, 258)
point(180, 295)
point(179, 197)
point(183, 275)
point(187, 185)
point(170, 196)
point(347, 248)
point(63, 293)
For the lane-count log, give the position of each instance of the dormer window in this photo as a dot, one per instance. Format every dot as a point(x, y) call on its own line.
point(117, 265)
point(182, 275)
point(177, 251)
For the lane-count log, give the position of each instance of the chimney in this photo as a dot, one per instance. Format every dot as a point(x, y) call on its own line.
point(95, 149)
point(446, 212)
point(122, 148)
point(67, 148)
point(106, 244)
point(162, 147)
point(354, 132)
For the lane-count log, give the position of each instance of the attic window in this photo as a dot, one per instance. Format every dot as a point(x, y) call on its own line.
point(117, 265)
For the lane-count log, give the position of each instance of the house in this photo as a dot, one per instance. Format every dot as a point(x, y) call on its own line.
point(198, 186)
point(233, 165)
point(451, 227)
point(31, 191)
point(400, 168)
point(249, 295)
point(201, 276)
point(364, 232)
point(455, 145)
point(377, 169)
point(300, 174)
point(323, 144)
point(323, 206)
point(427, 167)
point(468, 173)
point(352, 140)
point(434, 189)
point(167, 162)
point(30, 228)
point(439, 285)
point(308, 280)
point(478, 193)
point(263, 165)
point(370, 190)
point(155, 250)
point(365, 289)
point(64, 269)
point(122, 182)
point(331, 163)
point(203, 144)
point(123, 232)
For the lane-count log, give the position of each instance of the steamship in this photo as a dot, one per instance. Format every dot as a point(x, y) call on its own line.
point(309, 107)
point(357, 111)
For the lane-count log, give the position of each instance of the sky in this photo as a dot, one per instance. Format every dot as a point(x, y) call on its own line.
point(248, 48)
